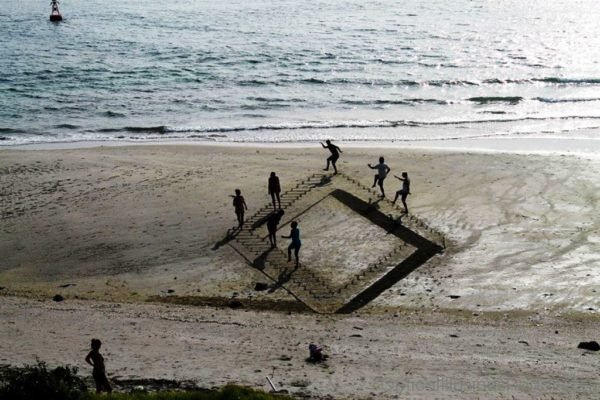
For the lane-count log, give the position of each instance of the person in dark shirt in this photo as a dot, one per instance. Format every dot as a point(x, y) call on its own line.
point(272, 223)
point(240, 206)
point(335, 154)
point(274, 189)
point(404, 192)
point(296, 243)
point(95, 359)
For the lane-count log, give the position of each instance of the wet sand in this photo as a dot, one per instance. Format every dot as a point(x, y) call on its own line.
point(109, 228)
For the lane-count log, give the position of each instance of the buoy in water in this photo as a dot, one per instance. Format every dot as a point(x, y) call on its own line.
point(55, 14)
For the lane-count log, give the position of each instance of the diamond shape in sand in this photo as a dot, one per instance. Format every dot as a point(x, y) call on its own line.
point(354, 244)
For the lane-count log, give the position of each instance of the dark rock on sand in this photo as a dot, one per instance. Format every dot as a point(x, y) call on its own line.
point(235, 304)
point(593, 346)
point(58, 297)
point(260, 286)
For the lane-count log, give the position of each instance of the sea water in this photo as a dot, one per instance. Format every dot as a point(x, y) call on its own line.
point(294, 71)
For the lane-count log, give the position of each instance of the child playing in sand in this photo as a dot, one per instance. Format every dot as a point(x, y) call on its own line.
point(95, 359)
point(335, 154)
point(382, 171)
point(272, 223)
point(404, 192)
point(274, 189)
point(240, 205)
point(315, 354)
point(296, 244)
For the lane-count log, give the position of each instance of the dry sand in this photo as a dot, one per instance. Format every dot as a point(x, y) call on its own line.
point(118, 225)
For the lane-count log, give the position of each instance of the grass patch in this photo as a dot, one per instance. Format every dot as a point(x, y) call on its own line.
point(38, 382)
point(229, 392)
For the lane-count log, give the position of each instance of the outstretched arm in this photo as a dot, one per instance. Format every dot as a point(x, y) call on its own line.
point(371, 166)
point(323, 145)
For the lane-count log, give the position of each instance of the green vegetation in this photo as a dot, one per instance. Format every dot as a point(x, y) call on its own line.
point(229, 392)
point(37, 382)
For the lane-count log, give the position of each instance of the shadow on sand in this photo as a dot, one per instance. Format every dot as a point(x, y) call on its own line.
point(425, 249)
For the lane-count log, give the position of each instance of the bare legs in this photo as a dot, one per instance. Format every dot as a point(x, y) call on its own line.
point(275, 196)
point(403, 198)
point(296, 251)
point(332, 160)
point(379, 182)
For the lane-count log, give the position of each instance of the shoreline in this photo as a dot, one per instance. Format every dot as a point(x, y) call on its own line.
point(578, 147)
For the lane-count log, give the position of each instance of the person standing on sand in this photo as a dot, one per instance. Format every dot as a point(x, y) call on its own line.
point(274, 189)
point(240, 205)
point(95, 359)
point(335, 154)
point(404, 192)
point(382, 171)
point(272, 223)
point(296, 243)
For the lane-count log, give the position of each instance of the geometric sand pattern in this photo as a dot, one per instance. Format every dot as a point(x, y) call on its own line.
point(324, 285)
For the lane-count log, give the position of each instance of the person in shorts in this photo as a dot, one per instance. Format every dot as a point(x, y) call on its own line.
point(240, 206)
point(272, 223)
point(382, 171)
point(274, 189)
point(295, 244)
point(335, 154)
point(404, 192)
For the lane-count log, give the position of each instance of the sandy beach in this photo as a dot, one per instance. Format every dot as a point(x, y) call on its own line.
point(118, 230)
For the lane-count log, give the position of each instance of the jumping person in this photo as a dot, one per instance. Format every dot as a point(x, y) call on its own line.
point(382, 171)
point(274, 189)
point(240, 205)
point(296, 244)
point(404, 192)
point(272, 223)
point(335, 154)
point(95, 359)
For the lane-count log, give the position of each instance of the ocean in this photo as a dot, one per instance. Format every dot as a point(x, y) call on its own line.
point(263, 71)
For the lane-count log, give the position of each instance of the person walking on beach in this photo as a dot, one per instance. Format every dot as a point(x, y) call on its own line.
point(382, 171)
point(274, 189)
point(272, 223)
point(404, 192)
point(296, 244)
point(240, 206)
point(335, 154)
point(95, 359)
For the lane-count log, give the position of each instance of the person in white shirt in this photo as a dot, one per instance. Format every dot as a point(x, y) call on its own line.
point(382, 171)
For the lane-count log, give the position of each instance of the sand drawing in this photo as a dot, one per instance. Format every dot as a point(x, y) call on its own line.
point(322, 282)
